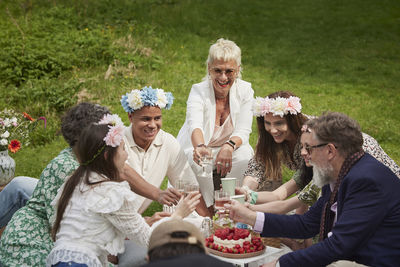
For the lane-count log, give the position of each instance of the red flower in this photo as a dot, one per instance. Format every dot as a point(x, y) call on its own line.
point(26, 115)
point(14, 146)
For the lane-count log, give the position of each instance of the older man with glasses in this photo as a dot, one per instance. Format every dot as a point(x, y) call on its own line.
point(358, 214)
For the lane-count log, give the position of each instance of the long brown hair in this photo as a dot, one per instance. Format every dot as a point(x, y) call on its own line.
point(270, 152)
point(90, 143)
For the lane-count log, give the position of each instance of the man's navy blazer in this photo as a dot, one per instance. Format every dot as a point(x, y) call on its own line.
point(368, 221)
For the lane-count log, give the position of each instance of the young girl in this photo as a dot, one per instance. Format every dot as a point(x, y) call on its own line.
point(95, 207)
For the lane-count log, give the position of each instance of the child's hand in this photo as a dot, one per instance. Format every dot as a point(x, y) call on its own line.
point(186, 205)
point(156, 217)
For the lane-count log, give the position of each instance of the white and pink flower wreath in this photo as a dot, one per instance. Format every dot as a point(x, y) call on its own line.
point(278, 106)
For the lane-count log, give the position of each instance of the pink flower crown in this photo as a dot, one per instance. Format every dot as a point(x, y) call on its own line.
point(116, 132)
point(278, 106)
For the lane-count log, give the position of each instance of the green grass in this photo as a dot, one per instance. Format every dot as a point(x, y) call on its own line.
point(336, 55)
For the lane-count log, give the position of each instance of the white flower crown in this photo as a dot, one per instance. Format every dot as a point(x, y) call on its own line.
point(279, 106)
point(147, 96)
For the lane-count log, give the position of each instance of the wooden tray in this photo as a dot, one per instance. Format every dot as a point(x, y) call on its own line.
point(235, 256)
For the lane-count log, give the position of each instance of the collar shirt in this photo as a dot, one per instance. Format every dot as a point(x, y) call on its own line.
point(164, 157)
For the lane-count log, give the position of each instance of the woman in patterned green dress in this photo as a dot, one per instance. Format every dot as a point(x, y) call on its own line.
point(26, 240)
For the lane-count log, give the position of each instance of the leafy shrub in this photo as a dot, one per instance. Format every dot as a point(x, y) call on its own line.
point(44, 95)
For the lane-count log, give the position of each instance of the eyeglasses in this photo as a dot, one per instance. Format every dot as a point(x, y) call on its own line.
point(309, 149)
point(228, 72)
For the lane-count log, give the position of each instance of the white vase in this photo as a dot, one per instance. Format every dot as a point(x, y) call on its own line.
point(7, 167)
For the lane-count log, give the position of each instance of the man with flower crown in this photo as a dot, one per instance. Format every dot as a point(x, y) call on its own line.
point(152, 152)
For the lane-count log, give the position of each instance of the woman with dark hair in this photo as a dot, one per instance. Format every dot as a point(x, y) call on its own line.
point(95, 207)
point(283, 139)
point(279, 121)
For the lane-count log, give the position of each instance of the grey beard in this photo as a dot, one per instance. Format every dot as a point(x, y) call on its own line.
point(322, 176)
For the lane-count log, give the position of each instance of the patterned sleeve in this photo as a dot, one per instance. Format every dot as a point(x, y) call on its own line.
point(309, 194)
point(372, 147)
point(297, 179)
point(255, 170)
point(115, 201)
point(131, 223)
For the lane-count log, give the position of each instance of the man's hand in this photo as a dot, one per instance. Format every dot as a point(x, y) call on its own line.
point(240, 213)
point(169, 197)
point(156, 217)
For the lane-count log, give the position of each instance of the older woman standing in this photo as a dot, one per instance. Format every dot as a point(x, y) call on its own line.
point(219, 116)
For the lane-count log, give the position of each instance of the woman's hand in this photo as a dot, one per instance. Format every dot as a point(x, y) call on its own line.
point(186, 205)
point(240, 191)
point(199, 153)
point(224, 159)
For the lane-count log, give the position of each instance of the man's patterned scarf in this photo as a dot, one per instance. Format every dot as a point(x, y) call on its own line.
point(328, 215)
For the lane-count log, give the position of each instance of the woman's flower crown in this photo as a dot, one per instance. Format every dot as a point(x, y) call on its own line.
point(278, 106)
point(147, 96)
point(114, 135)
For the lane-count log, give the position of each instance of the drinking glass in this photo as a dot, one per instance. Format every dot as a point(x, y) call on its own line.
point(206, 227)
point(180, 186)
point(221, 198)
point(207, 159)
point(188, 188)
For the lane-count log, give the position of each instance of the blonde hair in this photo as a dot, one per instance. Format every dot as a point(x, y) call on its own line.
point(225, 50)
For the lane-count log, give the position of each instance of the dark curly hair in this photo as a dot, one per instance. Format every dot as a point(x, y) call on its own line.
point(78, 117)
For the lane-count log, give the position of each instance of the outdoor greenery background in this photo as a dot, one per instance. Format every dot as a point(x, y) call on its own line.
point(336, 55)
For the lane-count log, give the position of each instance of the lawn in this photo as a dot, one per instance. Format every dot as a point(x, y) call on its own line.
point(335, 55)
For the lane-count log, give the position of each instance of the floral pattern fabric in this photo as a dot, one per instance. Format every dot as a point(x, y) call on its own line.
point(256, 169)
point(26, 241)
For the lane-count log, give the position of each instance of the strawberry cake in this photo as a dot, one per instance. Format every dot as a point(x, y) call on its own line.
point(230, 237)
point(234, 240)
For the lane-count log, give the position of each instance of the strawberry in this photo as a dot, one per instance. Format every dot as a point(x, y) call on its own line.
point(225, 250)
point(229, 250)
point(246, 243)
point(237, 246)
